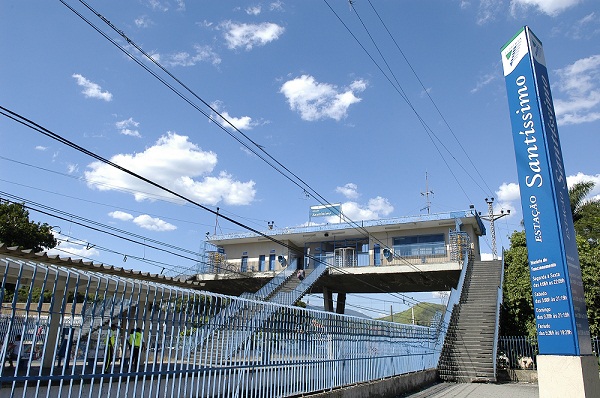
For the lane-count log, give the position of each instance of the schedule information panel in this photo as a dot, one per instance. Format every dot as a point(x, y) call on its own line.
point(557, 289)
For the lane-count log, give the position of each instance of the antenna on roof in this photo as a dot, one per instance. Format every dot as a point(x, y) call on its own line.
point(217, 221)
point(426, 194)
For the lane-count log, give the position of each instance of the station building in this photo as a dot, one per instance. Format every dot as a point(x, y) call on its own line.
point(413, 253)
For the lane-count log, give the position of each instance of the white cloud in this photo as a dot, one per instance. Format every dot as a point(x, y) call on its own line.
point(376, 208)
point(158, 5)
point(67, 247)
point(580, 82)
point(250, 35)
point(121, 215)
point(350, 190)
point(153, 224)
point(125, 127)
point(205, 24)
point(276, 6)
point(144, 221)
point(143, 22)
point(92, 90)
point(72, 168)
point(483, 81)
point(41, 148)
point(580, 177)
point(585, 28)
point(241, 123)
point(549, 7)
point(590, 18)
point(315, 101)
point(254, 10)
point(508, 192)
point(174, 162)
point(487, 11)
point(508, 196)
point(202, 53)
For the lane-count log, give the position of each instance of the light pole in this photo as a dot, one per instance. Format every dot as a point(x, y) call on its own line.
point(491, 217)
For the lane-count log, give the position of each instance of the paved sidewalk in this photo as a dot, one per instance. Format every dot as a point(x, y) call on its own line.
point(477, 390)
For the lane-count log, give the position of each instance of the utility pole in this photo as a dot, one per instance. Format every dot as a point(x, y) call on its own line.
point(426, 194)
point(491, 217)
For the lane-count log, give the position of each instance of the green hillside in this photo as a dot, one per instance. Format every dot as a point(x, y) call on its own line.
point(424, 312)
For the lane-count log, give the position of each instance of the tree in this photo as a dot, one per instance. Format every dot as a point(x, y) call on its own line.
point(589, 259)
point(577, 194)
point(517, 309)
point(586, 213)
point(17, 230)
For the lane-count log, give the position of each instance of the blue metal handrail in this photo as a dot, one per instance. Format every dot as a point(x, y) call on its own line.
point(276, 282)
point(453, 300)
point(250, 348)
point(497, 325)
point(289, 298)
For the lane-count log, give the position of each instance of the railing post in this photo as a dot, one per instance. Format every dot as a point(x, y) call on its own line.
point(497, 325)
point(54, 313)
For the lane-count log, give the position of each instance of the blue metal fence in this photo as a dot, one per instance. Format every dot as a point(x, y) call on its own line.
point(519, 352)
point(190, 343)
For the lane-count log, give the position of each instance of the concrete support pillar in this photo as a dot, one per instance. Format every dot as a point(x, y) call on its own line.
point(146, 304)
point(341, 303)
point(54, 333)
point(327, 299)
point(568, 376)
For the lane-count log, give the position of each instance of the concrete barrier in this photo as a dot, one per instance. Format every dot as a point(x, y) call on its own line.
point(390, 387)
point(517, 375)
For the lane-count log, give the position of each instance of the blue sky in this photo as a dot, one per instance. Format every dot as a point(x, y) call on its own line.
point(358, 100)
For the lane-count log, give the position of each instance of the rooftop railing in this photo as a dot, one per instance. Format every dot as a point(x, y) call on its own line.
point(345, 225)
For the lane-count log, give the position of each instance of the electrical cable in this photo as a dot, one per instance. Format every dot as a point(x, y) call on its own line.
point(248, 148)
point(34, 126)
point(429, 96)
point(314, 194)
point(427, 129)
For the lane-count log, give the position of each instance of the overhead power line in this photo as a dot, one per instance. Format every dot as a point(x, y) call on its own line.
point(36, 127)
point(283, 170)
point(296, 181)
point(429, 96)
point(398, 88)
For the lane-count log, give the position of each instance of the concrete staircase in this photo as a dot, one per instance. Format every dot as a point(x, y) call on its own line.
point(231, 330)
point(468, 352)
point(293, 289)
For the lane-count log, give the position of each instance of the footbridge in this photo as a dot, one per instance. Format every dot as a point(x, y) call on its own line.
point(74, 320)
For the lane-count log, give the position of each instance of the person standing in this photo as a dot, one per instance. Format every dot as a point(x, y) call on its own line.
point(13, 351)
point(135, 342)
point(111, 338)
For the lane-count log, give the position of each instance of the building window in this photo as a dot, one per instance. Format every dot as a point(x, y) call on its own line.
point(420, 245)
point(271, 262)
point(261, 262)
point(376, 254)
point(244, 267)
